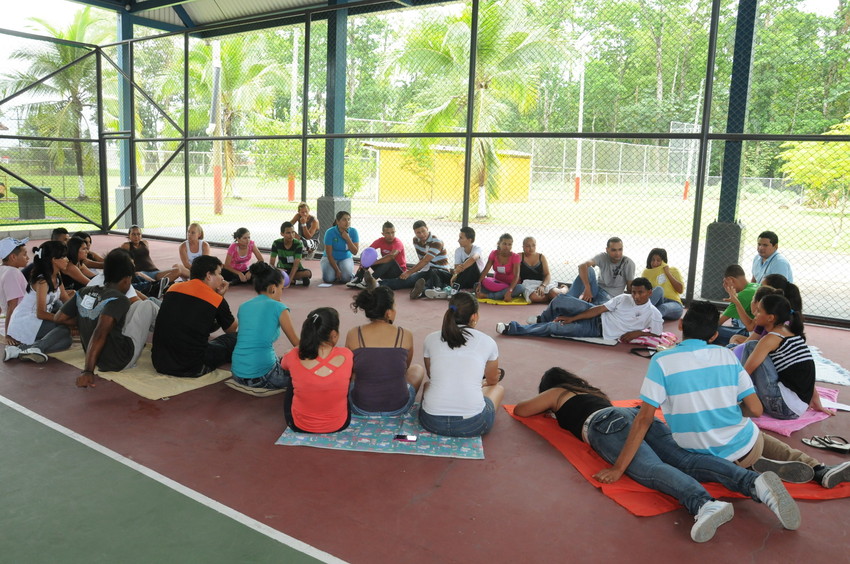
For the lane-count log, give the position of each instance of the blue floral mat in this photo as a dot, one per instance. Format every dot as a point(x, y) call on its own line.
point(377, 434)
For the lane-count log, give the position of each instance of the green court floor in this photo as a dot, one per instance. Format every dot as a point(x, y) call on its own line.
point(62, 501)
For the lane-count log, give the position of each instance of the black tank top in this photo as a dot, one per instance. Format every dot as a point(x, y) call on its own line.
point(572, 415)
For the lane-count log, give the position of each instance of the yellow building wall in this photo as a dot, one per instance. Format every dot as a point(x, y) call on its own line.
point(399, 184)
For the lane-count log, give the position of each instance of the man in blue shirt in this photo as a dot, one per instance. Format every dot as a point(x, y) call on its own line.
point(769, 260)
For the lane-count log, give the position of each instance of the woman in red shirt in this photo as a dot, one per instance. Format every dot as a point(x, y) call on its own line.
point(317, 400)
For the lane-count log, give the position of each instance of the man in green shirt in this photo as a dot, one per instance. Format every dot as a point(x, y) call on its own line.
point(287, 254)
point(741, 294)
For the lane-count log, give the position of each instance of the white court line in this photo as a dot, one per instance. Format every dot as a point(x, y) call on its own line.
point(249, 522)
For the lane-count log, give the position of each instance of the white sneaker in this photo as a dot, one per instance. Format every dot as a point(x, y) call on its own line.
point(500, 327)
point(711, 515)
point(436, 293)
point(771, 492)
point(532, 319)
point(11, 351)
point(33, 354)
point(354, 283)
point(359, 285)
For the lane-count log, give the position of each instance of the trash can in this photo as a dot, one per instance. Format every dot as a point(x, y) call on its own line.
point(30, 202)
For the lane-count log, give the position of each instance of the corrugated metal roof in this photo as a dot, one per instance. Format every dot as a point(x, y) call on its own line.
point(203, 12)
point(175, 14)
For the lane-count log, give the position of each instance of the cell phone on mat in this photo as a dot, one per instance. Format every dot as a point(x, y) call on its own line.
point(406, 438)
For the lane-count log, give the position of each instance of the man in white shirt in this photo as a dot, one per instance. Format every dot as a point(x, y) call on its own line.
point(623, 317)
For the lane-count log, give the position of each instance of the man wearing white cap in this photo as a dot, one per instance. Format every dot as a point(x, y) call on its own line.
point(13, 285)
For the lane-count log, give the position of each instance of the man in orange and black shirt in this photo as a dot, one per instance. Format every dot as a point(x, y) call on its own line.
point(190, 311)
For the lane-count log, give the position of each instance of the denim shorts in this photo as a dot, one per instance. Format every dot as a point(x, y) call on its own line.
point(457, 426)
point(275, 379)
point(357, 412)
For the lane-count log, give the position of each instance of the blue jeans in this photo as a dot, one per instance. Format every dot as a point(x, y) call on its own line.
point(357, 412)
point(766, 382)
point(457, 426)
point(726, 332)
point(671, 310)
point(585, 328)
point(564, 305)
point(275, 379)
point(346, 268)
point(600, 296)
point(663, 465)
point(51, 337)
point(400, 284)
point(500, 295)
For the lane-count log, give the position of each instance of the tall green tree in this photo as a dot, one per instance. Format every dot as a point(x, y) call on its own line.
point(824, 169)
point(510, 52)
point(248, 86)
point(63, 104)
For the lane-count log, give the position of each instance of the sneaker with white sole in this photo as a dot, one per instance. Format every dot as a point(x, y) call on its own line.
point(455, 289)
point(11, 351)
point(831, 476)
point(710, 516)
point(34, 355)
point(770, 491)
point(500, 327)
point(437, 294)
point(418, 289)
point(354, 283)
point(791, 471)
point(532, 319)
point(360, 285)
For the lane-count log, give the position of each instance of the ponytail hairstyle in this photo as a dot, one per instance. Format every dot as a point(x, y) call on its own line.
point(764, 291)
point(557, 377)
point(74, 244)
point(43, 262)
point(339, 215)
point(239, 232)
point(462, 307)
point(504, 237)
point(375, 303)
point(780, 308)
point(264, 275)
point(789, 289)
point(316, 330)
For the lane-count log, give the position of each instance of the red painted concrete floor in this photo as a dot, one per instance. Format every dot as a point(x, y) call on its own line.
point(523, 503)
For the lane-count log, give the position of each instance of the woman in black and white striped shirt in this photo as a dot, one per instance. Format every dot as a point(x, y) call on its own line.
point(780, 363)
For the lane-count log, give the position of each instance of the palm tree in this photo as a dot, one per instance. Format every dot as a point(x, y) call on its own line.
point(510, 53)
point(248, 86)
point(63, 103)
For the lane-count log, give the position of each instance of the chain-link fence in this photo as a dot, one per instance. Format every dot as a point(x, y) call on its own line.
point(583, 120)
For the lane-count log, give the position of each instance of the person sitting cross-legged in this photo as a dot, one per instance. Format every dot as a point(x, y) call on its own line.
point(707, 398)
point(113, 331)
point(624, 317)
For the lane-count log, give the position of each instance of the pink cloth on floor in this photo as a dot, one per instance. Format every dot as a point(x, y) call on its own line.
point(787, 426)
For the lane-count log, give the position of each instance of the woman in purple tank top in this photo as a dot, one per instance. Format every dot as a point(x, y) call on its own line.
point(384, 382)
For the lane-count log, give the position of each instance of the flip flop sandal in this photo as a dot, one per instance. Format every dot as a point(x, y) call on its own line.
point(838, 444)
point(825, 444)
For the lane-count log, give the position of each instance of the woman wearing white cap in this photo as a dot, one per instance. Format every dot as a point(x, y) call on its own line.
point(13, 285)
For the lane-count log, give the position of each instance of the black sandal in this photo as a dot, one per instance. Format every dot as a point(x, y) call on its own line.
point(829, 442)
